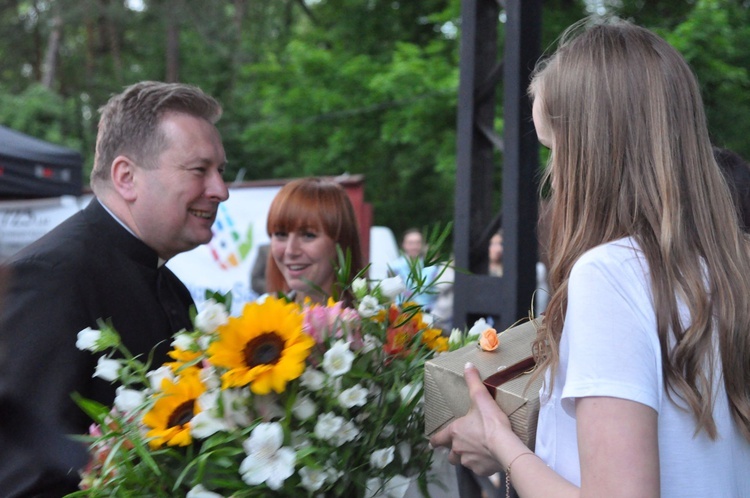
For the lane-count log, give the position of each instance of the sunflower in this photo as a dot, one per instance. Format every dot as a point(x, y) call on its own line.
point(176, 405)
point(183, 359)
point(264, 347)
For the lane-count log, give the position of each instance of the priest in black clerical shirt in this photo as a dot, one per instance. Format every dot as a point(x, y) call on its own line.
point(158, 182)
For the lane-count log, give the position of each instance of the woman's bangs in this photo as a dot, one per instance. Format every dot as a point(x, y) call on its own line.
point(293, 216)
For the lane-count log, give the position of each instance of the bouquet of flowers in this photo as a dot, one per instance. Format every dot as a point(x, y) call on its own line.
point(282, 400)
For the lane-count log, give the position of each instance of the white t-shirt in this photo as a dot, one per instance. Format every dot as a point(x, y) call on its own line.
point(609, 347)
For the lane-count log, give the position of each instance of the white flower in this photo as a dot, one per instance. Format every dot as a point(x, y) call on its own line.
point(268, 406)
point(387, 430)
point(183, 341)
point(354, 396)
point(212, 317)
point(380, 458)
point(300, 440)
point(361, 417)
point(235, 406)
point(204, 341)
point(205, 424)
point(333, 474)
point(107, 369)
point(348, 432)
point(155, 377)
point(392, 287)
point(87, 339)
point(404, 451)
point(312, 479)
point(396, 486)
point(327, 426)
point(210, 378)
point(267, 461)
point(374, 488)
point(313, 379)
point(370, 343)
point(368, 307)
point(128, 400)
point(456, 338)
point(375, 390)
point(338, 360)
point(409, 391)
point(199, 491)
point(359, 287)
point(476, 330)
point(304, 408)
point(209, 400)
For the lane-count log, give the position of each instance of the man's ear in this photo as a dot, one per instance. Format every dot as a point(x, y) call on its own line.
point(123, 177)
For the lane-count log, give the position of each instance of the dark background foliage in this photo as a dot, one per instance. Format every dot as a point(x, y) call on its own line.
point(321, 87)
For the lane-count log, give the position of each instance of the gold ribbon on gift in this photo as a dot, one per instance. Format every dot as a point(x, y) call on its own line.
point(506, 371)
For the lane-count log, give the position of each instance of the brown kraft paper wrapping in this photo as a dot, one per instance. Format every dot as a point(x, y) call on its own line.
point(447, 397)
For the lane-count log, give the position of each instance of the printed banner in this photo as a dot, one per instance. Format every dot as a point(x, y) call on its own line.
point(224, 264)
point(23, 222)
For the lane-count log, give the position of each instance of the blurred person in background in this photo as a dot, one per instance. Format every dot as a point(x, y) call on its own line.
point(737, 174)
point(412, 247)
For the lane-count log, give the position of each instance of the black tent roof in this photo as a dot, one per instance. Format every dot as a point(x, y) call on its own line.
point(30, 167)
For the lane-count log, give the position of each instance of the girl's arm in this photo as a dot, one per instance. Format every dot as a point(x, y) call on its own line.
point(617, 440)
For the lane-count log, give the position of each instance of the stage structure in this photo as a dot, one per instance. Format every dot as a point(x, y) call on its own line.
point(508, 297)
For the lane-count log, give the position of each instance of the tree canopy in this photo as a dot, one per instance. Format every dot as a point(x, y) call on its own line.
point(320, 87)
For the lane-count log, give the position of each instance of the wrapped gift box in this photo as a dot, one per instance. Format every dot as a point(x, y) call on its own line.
point(447, 397)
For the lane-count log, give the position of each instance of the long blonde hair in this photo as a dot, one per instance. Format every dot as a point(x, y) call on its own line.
point(632, 157)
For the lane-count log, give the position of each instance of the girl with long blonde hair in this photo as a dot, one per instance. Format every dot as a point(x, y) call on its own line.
point(645, 346)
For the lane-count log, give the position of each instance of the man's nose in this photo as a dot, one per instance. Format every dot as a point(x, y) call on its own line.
point(217, 189)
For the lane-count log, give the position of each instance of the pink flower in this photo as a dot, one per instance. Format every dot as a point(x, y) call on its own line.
point(95, 430)
point(333, 321)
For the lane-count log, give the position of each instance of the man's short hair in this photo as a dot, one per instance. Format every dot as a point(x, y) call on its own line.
point(129, 122)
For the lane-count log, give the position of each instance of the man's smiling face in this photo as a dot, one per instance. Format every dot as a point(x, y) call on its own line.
point(176, 202)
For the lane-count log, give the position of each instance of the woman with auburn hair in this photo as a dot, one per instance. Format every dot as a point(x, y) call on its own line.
point(307, 219)
point(645, 346)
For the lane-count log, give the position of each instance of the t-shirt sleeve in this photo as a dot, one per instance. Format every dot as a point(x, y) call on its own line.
point(611, 338)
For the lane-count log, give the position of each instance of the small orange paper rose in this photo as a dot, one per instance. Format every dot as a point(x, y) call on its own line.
point(489, 341)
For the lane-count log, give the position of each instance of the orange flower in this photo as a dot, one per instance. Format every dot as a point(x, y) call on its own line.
point(398, 340)
point(433, 339)
point(489, 341)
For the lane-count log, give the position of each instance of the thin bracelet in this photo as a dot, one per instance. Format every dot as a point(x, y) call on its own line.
point(507, 472)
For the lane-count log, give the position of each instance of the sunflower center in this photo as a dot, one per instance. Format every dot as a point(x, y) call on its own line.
point(182, 414)
point(264, 350)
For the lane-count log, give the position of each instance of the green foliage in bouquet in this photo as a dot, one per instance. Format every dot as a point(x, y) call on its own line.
point(281, 400)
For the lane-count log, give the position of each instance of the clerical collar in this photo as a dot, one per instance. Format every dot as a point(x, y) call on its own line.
point(160, 262)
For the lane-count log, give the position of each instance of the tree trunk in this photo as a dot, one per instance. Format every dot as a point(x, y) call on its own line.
point(49, 66)
point(113, 40)
point(90, 46)
point(173, 43)
point(240, 10)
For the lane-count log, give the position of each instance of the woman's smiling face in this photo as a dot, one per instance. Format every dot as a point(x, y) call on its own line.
point(305, 258)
